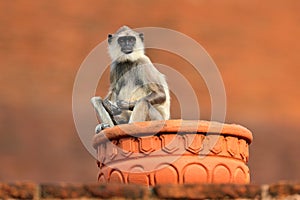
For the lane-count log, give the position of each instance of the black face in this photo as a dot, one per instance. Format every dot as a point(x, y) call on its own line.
point(127, 43)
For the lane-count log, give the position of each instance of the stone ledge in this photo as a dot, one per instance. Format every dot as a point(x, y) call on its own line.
point(208, 191)
point(18, 190)
point(284, 188)
point(28, 190)
point(71, 191)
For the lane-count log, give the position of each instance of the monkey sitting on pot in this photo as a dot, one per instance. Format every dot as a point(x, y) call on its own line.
point(138, 91)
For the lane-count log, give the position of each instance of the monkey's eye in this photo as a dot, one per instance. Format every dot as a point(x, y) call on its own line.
point(129, 40)
point(121, 40)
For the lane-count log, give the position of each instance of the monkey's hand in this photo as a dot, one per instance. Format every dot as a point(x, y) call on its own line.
point(125, 105)
point(120, 119)
point(111, 108)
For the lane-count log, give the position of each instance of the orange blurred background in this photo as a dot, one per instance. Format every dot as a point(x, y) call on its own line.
point(255, 45)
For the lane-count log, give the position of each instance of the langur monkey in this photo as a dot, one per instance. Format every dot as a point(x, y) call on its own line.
point(138, 91)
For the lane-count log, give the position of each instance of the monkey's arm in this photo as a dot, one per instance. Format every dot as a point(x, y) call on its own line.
point(125, 105)
point(157, 95)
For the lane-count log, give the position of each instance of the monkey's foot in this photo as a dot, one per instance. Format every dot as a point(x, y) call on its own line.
point(100, 127)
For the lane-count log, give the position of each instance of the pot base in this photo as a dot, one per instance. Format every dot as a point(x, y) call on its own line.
point(173, 151)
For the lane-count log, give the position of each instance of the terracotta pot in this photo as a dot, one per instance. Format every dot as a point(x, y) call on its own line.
point(173, 151)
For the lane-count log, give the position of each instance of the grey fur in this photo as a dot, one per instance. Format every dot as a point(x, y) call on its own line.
point(138, 91)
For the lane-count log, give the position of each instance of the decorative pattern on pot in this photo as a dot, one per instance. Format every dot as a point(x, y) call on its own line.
point(178, 152)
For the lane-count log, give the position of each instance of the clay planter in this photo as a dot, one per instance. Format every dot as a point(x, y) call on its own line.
point(174, 151)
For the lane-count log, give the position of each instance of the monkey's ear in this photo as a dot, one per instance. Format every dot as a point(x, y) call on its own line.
point(142, 36)
point(109, 38)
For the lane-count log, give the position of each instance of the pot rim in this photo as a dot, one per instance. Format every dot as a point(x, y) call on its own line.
point(150, 128)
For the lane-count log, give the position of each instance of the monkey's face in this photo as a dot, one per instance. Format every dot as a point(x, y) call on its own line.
point(125, 45)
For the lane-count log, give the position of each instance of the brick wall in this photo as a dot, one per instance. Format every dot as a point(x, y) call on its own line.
point(255, 45)
point(28, 190)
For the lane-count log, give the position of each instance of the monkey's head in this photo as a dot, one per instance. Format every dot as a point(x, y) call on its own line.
point(125, 45)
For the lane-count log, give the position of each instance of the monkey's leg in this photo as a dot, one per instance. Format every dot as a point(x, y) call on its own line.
point(154, 114)
point(144, 111)
point(102, 114)
point(111, 108)
point(140, 112)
